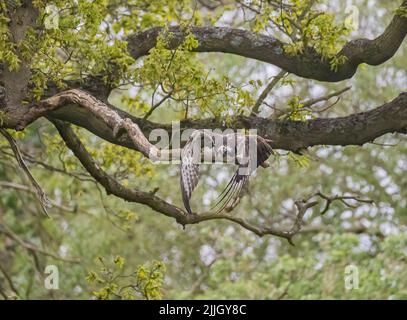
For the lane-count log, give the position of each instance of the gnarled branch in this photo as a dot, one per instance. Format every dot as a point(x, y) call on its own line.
point(271, 50)
point(150, 199)
point(82, 109)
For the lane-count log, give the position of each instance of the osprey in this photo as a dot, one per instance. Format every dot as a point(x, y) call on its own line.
point(246, 151)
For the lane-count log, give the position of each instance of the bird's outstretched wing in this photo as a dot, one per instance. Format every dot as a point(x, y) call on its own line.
point(232, 192)
point(234, 188)
point(189, 168)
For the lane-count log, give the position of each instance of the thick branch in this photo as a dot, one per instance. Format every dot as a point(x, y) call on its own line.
point(271, 50)
point(15, 82)
point(82, 109)
point(110, 184)
point(150, 199)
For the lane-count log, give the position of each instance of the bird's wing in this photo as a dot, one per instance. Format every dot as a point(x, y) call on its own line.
point(234, 188)
point(189, 169)
point(264, 150)
point(232, 191)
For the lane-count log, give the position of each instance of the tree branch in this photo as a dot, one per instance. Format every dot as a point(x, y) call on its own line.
point(20, 187)
point(9, 280)
point(157, 104)
point(271, 50)
point(311, 102)
point(343, 199)
point(150, 199)
point(306, 105)
point(16, 82)
point(42, 197)
point(266, 91)
point(133, 195)
point(110, 184)
point(82, 109)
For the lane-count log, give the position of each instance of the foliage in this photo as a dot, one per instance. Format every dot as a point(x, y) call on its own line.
point(290, 275)
point(7, 47)
point(305, 28)
point(213, 259)
point(113, 282)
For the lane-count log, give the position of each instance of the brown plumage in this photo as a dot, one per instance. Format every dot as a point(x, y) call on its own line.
point(237, 147)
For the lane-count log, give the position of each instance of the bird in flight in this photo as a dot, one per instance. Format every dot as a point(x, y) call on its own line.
point(246, 151)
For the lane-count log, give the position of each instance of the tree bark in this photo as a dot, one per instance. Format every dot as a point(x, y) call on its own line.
point(271, 50)
point(82, 109)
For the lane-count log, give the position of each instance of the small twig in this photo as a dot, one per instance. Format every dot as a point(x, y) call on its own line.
point(325, 108)
point(282, 73)
point(266, 91)
point(302, 207)
point(42, 197)
point(310, 102)
point(3, 293)
point(9, 280)
point(384, 144)
point(330, 199)
point(156, 105)
point(29, 158)
point(306, 105)
point(20, 187)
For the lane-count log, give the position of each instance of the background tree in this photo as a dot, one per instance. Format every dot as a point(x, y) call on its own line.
point(210, 64)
